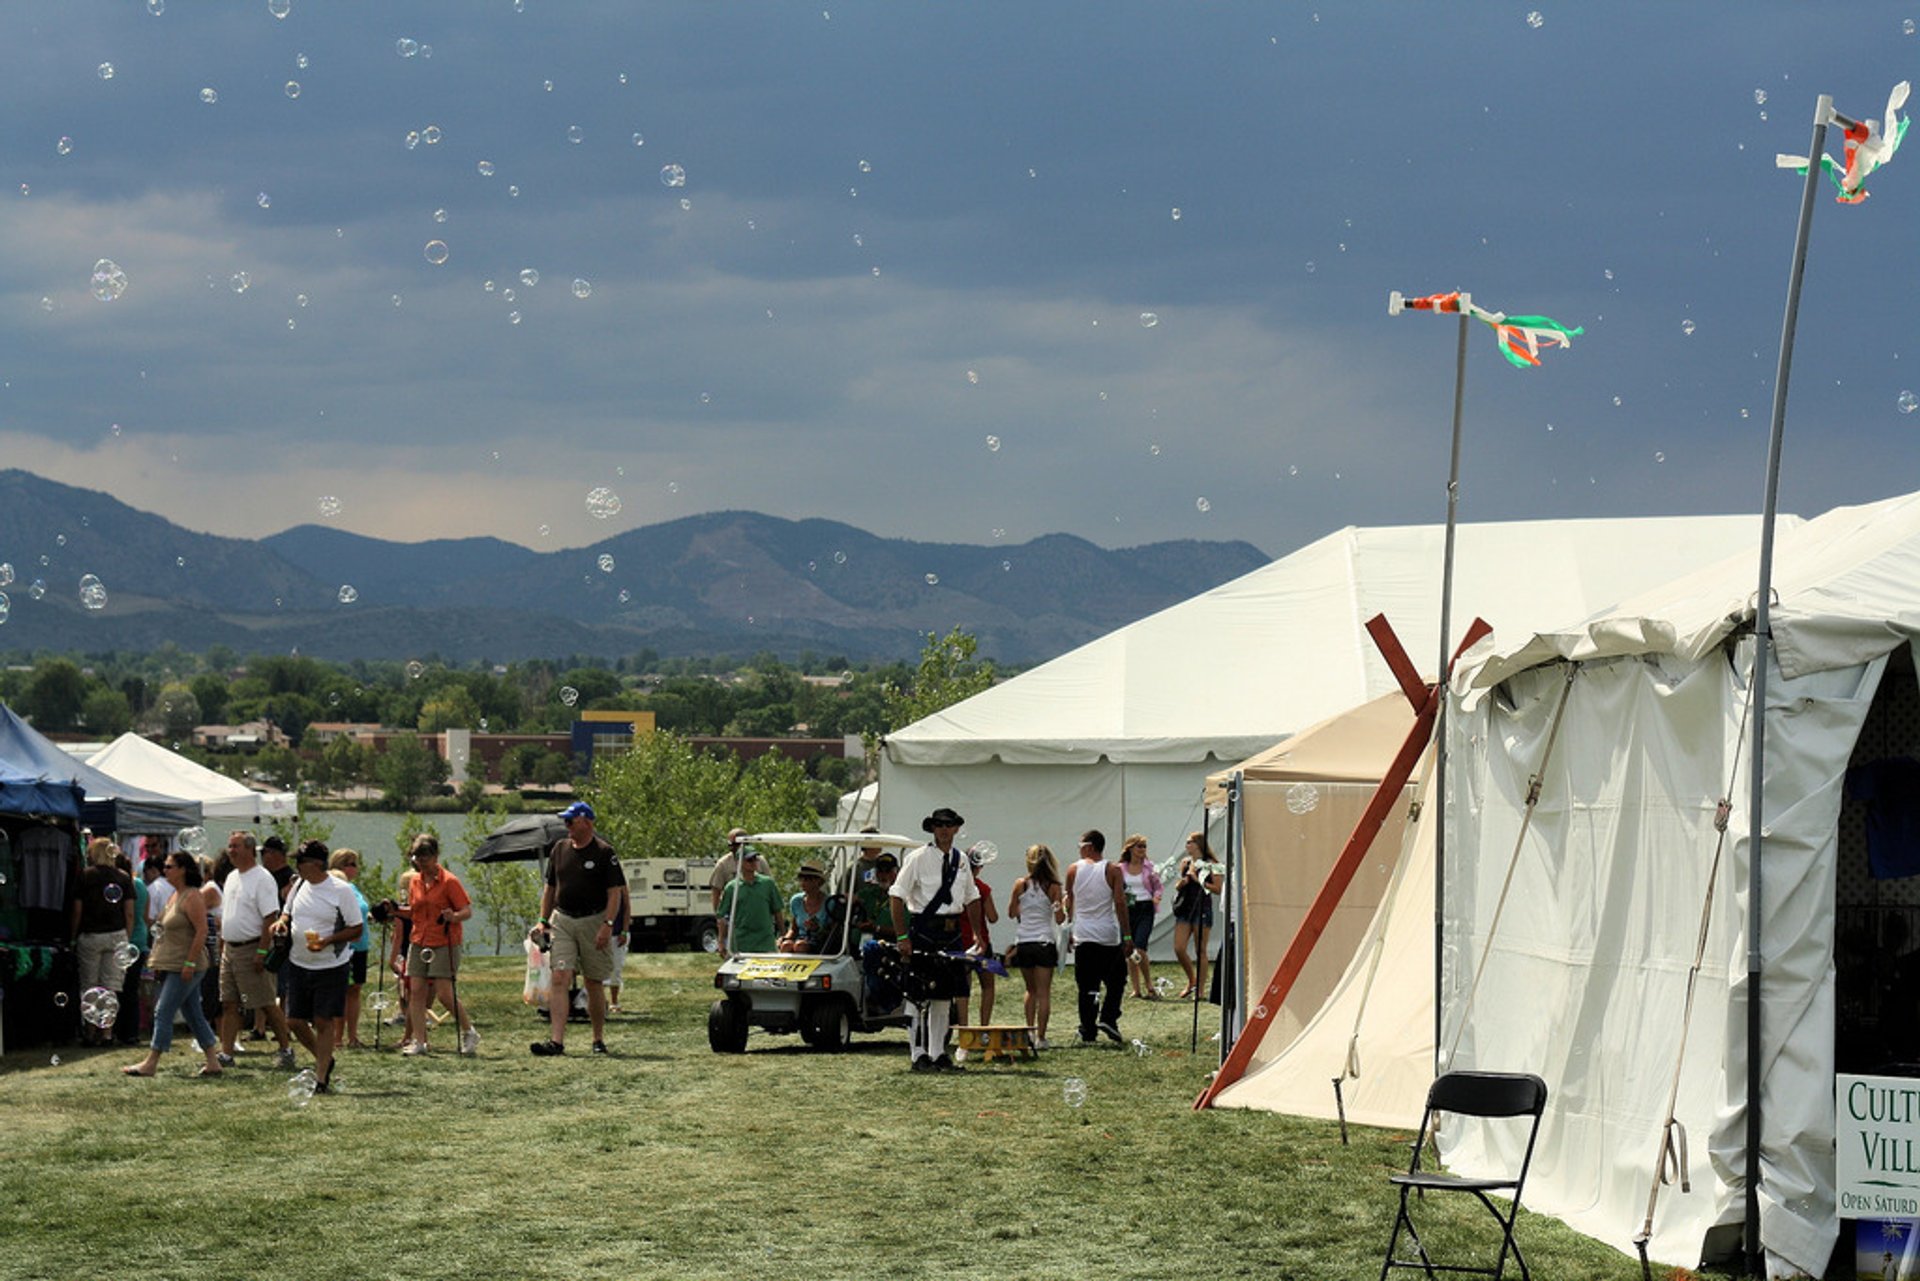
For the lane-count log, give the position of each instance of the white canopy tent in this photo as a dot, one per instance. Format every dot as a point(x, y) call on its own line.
point(1121, 733)
point(147, 764)
point(1635, 724)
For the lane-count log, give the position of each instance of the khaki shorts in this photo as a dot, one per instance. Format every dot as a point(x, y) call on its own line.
point(240, 984)
point(573, 947)
point(441, 962)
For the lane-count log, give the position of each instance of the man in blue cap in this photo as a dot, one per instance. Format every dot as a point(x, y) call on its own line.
point(578, 909)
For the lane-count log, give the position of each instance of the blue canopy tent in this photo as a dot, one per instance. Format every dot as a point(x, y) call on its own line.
point(36, 777)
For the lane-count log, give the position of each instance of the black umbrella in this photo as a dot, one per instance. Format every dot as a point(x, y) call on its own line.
point(527, 837)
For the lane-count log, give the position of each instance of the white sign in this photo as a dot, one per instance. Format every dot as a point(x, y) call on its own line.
point(1877, 1155)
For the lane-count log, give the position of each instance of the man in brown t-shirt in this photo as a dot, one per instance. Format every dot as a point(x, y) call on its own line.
point(578, 910)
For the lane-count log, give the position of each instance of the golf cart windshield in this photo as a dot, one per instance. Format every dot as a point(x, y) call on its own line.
point(841, 858)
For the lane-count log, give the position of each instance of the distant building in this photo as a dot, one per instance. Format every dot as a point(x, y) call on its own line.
point(248, 737)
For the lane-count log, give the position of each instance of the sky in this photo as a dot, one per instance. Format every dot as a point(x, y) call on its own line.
point(957, 272)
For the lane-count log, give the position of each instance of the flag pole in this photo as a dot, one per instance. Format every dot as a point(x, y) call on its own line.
point(1763, 641)
point(1440, 669)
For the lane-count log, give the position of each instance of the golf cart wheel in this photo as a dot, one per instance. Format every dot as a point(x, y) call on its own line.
point(707, 936)
point(831, 1026)
point(726, 1028)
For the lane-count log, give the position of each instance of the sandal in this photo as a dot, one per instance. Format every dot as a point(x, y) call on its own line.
point(209, 1071)
point(133, 1069)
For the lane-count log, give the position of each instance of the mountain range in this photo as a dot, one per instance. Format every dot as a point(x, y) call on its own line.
point(730, 582)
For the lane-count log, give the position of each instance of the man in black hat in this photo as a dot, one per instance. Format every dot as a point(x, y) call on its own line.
point(934, 888)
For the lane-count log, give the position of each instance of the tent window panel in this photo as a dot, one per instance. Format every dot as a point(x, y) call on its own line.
point(1877, 918)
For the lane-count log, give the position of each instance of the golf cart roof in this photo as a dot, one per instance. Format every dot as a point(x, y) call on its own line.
point(841, 840)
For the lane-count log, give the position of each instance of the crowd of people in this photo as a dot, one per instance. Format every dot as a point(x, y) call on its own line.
point(288, 940)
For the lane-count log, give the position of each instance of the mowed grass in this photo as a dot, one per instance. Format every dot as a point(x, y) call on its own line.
point(664, 1159)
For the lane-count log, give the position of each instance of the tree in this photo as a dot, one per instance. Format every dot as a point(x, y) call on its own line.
point(946, 675)
point(55, 696)
point(407, 770)
point(552, 769)
point(449, 708)
point(342, 763)
point(106, 713)
point(180, 708)
point(663, 799)
point(505, 895)
point(277, 765)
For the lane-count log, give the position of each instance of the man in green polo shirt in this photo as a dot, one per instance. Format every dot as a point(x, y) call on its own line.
point(749, 908)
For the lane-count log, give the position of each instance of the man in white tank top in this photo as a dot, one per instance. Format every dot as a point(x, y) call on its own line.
point(1102, 938)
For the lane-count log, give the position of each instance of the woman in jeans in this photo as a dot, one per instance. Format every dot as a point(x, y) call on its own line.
point(1143, 901)
point(179, 960)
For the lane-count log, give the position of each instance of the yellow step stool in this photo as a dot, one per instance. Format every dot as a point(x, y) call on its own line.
point(997, 1040)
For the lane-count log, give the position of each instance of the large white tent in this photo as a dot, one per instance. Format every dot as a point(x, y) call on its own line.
point(1580, 912)
point(1121, 733)
point(147, 764)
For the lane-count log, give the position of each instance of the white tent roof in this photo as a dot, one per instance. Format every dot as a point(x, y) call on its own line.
point(135, 760)
point(1290, 639)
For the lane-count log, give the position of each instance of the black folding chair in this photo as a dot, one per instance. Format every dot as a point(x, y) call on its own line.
point(1483, 1094)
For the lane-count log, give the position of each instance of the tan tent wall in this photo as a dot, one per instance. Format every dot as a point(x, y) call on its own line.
point(1287, 856)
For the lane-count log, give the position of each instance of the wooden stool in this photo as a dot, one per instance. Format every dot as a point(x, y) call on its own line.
point(997, 1040)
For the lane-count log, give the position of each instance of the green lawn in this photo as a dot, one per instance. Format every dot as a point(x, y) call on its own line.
point(666, 1160)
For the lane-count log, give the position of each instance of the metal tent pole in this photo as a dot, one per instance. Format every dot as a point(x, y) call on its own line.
point(1440, 721)
point(1763, 638)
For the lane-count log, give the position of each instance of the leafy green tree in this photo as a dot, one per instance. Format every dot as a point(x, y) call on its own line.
point(179, 709)
point(552, 769)
point(506, 896)
point(407, 770)
point(410, 827)
point(341, 764)
point(106, 713)
point(55, 697)
point(209, 691)
point(277, 765)
point(450, 708)
point(664, 799)
point(948, 673)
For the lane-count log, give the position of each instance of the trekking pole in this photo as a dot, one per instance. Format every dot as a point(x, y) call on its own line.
point(380, 1006)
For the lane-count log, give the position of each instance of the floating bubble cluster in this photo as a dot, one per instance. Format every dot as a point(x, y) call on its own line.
point(109, 281)
point(1148, 319)
point(329, 506)
point(99, 1007)
point(349, 593)
point(1907, 401)
point(673, 176)
point(1073, 1092)
point(993, 444)
point(602, 503)
point(569, 695)
point(126, 956)
point(301, 1086)
point(193, 840)
point(605, 562)
point(1303, 798)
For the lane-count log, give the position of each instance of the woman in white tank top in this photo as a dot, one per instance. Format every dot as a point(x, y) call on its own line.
point(1035, 904)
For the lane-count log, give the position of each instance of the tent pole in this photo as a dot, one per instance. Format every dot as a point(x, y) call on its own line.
point(1763, 639)
point(1440, 718)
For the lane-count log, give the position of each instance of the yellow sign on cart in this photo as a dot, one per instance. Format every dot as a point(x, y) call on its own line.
point(779, 968)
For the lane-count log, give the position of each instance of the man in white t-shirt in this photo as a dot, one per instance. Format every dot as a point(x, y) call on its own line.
point(323, 915)
point(249, 907)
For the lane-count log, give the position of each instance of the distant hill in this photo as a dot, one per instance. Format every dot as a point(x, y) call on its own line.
point(720, 583)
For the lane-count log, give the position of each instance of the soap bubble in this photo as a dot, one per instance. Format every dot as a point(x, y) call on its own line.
point(973, 377)
point(6, 606)
point(1303, 798)
point(440, 215)
point(993, 444)
point(582, 287)
point(1163, 985)
point(529, 277)
point(436, 252)
point(92, 594)
point(1148, 319)
point(1202, 504)
point(982, 853)
point(406, 46)
point(349, 593)
point(192, 839)
point(293, 88)
point(1176, 213)
point(1659, 456)
point(301, 1086)
point(602, 503)
point(576, 135)
point(486, 168)
point(569, 695)
point(37, 588)
point(1907, 401)
point(300, 61)
point(239, 282)
point(329, 506)
point(933, 580)
point(1535, 21)
point(209, 95)
point(106, 71)
point(64, 146)
point(109, 281)
point(56, 1058)
point(1073, 1092)
point(839, 558)
point(1140, 1048)
point(279, 8)
point(416, 669)
point(112, 893)
point(1154, 450)
point(6, 574)
point(156, 7)
point(126, 956)
point(673, 176)
point(1907, 27)
point(378, 1002)
point(625, 595)
point(99, 1007)
point(1759, 97)
point(1259, 1011)
point(60, 999)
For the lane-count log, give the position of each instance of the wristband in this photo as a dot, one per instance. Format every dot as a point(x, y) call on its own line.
point(903, 938)
point(262, 952)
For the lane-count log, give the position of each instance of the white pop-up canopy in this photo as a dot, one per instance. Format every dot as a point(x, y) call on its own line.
point(1579, 903)
point(149, 765)
point(1121, 733)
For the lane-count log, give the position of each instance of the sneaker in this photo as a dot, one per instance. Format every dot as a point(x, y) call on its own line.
point(1109, 1031)
point(225, 1060)
point(599, 1047)
point(1043, 1044)
point(414, 1049)
point(923, 1064)
point(945, 1064)
point(470, 1042)
point(1087, 1038)
point(283, 1058)
point(547, 1049)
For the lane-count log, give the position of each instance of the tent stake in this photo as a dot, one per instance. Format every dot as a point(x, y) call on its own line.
point(1763, 637)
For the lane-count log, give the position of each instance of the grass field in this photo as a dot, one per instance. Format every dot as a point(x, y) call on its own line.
point(666, 1160)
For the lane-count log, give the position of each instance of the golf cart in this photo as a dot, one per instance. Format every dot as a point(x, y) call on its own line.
point(821, 996)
